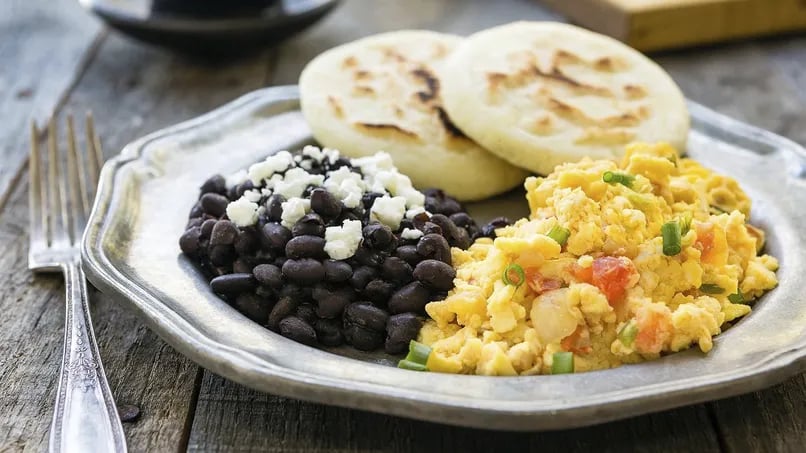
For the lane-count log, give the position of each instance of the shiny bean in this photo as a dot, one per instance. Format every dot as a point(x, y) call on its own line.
point(368, 198)
point(361, 276)
point(196, 211)
point(377, 236)
point(310, 224)
point(207, 227)
point(243, 265)
point(194, 222)
point(305, 271)
point(305, 246)
point(247, 241)
point(268, 275)
point(337, 271)
point(233, 283)
point(435, 274)
point(328, 332)
point(367, 257)
point(298, 330)
point(400, 330)
point(224, 233)
point(363, 339)
point(284, 307)
point(488, 230)
point(252, 307)
point(396, 269)
point(325, 204)
point(378, 291)
point(306, 312)
point(435, 247)
point(216, 184)
point(189, 241)
point(214, 204)
point(410, 298)
point(461, 219)
point(431, 228)
point(222, 255)
point(365, 315)
point(408, 253)
point(274, 208)
point(331, 302)
point(275, 236)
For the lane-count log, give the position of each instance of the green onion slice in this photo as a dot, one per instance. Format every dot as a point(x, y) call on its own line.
point(628, 333)
point(520, 276)
point(718, 210)
point(559, 234)
point(685, 222)
point(409, 365)
point(641, 201)
point(737, 297)
point(562, 363)
point(672, 239)
point(710, 288)
point(612, 177)
point(418, 352)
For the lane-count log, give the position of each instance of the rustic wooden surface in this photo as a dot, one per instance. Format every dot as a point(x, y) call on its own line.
point(55, 58)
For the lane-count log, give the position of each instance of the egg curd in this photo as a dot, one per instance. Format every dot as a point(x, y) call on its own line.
point(616, 264)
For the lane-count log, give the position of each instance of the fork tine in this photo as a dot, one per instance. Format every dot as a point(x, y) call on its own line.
point(73, 184)
point(96, 155)
point(58, 190)
point(37, 214)
point(79, 177)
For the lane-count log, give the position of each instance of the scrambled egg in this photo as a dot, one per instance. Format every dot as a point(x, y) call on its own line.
point(605, 290)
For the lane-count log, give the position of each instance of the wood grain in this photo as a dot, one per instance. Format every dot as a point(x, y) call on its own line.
point(232, 418)
point(43, 47)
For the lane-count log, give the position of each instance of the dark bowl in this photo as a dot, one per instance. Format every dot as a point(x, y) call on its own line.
point(210, 26)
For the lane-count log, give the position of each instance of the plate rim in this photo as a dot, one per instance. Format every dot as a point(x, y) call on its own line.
point(250, 370)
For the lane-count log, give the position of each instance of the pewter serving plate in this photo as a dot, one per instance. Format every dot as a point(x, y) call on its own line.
point(130, 252)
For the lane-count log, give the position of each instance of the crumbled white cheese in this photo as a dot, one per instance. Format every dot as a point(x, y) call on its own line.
point(252, 195)
point(412, 213)
point(388, 210)
point(342, 242)
point(242, 212)
point(371, 165)
point(266, 192)
point(331, 154)
point(295, 182)
point(345, 185)
point(409, 233)
point(306, 165)
point(273, 164)
point(313, 152)
point(236, 178)
point(293, 210)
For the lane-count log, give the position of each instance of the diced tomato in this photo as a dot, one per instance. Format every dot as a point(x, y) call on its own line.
point(612, 276)
point(705, 240)
point(578, 342)
point(583, 274)
point(540, 284)
point(653, 330)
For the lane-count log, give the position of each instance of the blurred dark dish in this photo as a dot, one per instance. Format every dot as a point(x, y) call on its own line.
point(210, 26)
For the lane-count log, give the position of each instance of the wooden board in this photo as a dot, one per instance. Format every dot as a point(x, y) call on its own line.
point(664, 24)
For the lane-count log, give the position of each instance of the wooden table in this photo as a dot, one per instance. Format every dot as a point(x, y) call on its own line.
point(56, 58)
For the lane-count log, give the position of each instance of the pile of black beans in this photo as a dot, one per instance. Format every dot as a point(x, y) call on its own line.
point(283, 279)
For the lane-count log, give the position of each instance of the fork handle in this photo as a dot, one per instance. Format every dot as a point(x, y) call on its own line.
point(85, 417)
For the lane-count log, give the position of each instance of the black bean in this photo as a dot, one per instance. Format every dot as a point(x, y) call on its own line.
point(400, 330)
point(218, 271)
point(462, 239)
point(361, 276)
point(378, 291)
point(331, 301)
point(377, 236)
point(274, 208)
point(367, 257)
point(296, 292)
point(224, 233)
point(419, 220)
point(222, 255)
point(365, 315)
point(410, 298)
point(396, 269)
point(243, 187)
point(328, 332)
point(243, 265)
point(216, 184)
point(267, 294)
point(368, 198)
point(268, 275)
point(298, 330)
point(194, 222)
point(305, 246)
point(253, 307)
point(214, 204)
point(488, 230)
point(461, 219)
point(207, 228)
point(434, 246)
point(325, 204)
point(408, 253)
point(189, 241)
point(406, 223)
point(306, 271)
point(306, 312)
point(450, 206)
point(310, 224)
point(431, 228)
point(280, 261)
point(435, 274)
point(247, 241)
point(264, 256)
point(363, 339)
point(196, 211)
point(233, 283)
point(275, 236)
point(284, 307)
point(337, 271)
point(449, 229)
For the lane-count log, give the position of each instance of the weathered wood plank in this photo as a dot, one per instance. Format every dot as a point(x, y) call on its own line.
point(132, 90)
point(43, 45)
point(232, 418)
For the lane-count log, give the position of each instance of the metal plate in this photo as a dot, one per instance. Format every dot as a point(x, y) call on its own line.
point(130, 251)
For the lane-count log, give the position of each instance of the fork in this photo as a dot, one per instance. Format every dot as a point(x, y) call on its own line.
point(85, 417)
